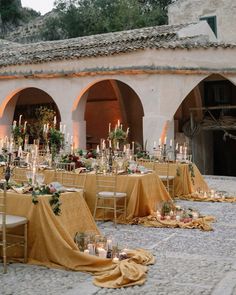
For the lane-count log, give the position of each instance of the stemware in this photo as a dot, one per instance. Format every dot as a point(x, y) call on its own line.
point(40, 178)
point(29, 175)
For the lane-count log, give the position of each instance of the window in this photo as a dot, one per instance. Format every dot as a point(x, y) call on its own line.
point(211, 20)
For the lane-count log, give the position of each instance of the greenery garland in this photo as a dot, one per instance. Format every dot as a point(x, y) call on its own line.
point(54, 201)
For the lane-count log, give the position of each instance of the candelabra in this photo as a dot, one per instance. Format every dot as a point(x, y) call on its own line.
point(162, 151)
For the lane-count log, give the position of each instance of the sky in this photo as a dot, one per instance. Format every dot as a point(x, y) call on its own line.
point(42, 6)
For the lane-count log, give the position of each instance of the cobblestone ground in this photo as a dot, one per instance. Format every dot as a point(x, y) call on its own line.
point(188, 261)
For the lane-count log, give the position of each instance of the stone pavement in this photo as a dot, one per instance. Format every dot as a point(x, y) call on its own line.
point(188, 261)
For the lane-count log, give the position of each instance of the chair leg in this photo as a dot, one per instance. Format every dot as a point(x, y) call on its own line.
point(4, 252)
point(25, 243)
point(95, 208)
point(125, 211)
point(114, 211)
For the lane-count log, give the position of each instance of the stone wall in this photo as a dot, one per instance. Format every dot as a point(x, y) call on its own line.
point(187, 11)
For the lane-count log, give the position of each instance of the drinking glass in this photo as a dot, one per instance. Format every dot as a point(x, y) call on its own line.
point(40, 178)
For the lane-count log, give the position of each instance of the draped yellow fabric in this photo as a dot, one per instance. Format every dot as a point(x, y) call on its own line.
point(50, 239)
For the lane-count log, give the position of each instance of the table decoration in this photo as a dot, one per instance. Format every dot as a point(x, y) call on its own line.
point(172, 216)
point(208, 196)
point(54, 200)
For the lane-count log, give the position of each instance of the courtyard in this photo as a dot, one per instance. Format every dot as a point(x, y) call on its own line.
point(187, 261)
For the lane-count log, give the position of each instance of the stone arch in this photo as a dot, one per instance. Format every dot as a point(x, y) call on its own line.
point(114, 100)
point(211, 153)
point(23, 100)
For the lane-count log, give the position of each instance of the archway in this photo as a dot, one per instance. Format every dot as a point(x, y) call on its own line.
point(24, 102)
point(107, 101)
point(212, 104)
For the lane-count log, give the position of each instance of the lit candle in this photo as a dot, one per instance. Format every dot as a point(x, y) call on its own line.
point(64, 129)
point(115, 260)
point(181, 149)
point(14, 125)
point(109, 143)
point(165, 140)
point(55, 120)
point(102, 252)
point(11, 147)
point(118, 123)
point(103, 144)
point(20, 120)
point(121, 126)
point(109, 129)
point(127, 131)
point(98, 149)
point(159, 141)
point(25, 126)
point(19, 154)
point(27, 158)
point(109, 244)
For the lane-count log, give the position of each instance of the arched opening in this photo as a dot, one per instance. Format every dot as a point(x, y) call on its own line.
point(108, 101)
point(25, 102)
point(212, 107)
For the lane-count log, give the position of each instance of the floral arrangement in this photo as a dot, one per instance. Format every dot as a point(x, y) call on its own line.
point(48, 190)
point(19, 132)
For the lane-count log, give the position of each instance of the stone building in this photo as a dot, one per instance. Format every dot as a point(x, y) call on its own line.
point(147, 78)
point(220, 15)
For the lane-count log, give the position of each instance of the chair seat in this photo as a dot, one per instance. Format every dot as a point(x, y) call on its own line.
point(164, 177)
point(13, 220)
point(105, 194)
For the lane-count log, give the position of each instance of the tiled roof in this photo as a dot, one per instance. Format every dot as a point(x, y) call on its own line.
point(103, 45)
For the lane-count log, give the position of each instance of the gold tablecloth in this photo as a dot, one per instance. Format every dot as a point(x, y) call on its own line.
point(144, 191)
point(185, 184)
point(50, 240)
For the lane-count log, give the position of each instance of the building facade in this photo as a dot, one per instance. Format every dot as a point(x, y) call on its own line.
point(220, 14)
point(142, 77)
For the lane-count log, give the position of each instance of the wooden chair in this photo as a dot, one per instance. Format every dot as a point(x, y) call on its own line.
point(9, 222)
point(163, 171)
point(107, 197)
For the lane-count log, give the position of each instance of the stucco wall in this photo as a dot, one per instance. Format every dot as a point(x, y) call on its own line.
point(187, 11)
point(160, 92)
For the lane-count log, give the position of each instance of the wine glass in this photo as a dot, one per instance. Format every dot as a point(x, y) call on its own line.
point(40, 178)
point(29, 175)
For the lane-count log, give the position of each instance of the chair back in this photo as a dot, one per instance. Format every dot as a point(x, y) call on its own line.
point(71, 179)
point(65, 166)
point(106, 182)
point(19, 174)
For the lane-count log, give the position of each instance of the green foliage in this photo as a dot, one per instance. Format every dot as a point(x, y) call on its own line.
point(12, 12)
point(43, 115)
point(54, 201)
point(88, 17)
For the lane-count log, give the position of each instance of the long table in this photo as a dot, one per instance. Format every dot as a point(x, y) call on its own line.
point(51, 237)
point(187, 177)
point(145, 192)
point(51, 240)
